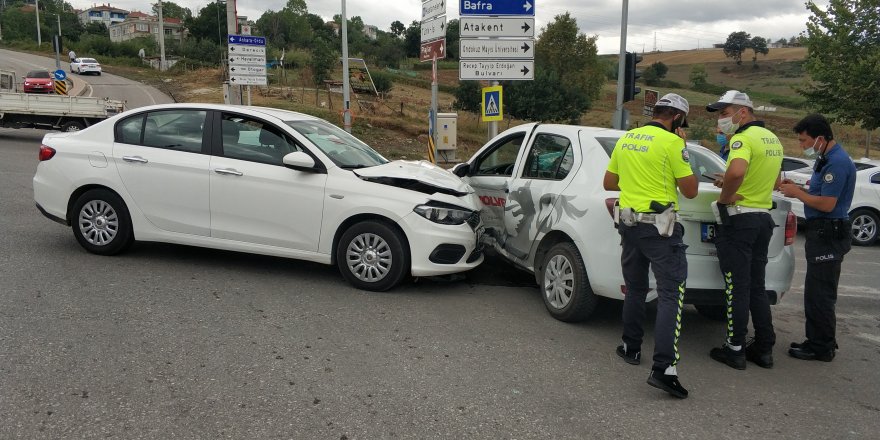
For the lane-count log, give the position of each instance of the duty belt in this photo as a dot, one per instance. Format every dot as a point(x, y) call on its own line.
point(645, 217)
point(736, 210)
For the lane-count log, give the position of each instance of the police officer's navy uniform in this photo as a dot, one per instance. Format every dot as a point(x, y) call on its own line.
point(648, 160)
point(743, 243)
point(828, 240)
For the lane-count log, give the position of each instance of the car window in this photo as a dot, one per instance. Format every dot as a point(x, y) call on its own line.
point(789, 164)
point(875, 178)
point(500, 160)
point(250, 139)
point(345, 150)
point(88, 60)
point(546, 157)
point(179, 130)
point(863, 165)
point(38, 74)
point(129, 131)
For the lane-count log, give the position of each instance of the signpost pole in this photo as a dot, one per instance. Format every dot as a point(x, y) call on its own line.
point(619, 121)
point(493, 125)
point(346, 86)
point(232, 28)
point(434, 104)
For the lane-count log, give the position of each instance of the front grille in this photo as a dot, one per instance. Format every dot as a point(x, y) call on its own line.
point(474, 220)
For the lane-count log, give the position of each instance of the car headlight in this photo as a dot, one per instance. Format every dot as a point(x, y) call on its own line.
point(443, 213)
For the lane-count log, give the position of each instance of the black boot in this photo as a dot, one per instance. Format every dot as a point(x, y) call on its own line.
point(763, 359)
point(630, 356)
point(806, 353)
point(668, 383)
point(726, 355)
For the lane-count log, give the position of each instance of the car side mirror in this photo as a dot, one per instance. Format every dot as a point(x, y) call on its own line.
point(300, 161)
point(462, 169)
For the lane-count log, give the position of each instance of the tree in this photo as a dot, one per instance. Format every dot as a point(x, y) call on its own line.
point(397, 28)
point(782, 42)
point(210, 23)
point(297, 7)
point(172, 10)
point(453, 36)
point(843, 59)
point(547, 98)
point(654, 73)
point(412, 39)
point(736, 44)
point(758, 45)
point(467, 96)
point(698, 75)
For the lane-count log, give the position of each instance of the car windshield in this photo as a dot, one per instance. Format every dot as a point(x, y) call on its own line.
point(345, 150)
point(863, 165)
point(38, 74)
point(704, 162)
point(88, 60)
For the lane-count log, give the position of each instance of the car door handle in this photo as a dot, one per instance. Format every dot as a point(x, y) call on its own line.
point(228, 171)
point(134, 159)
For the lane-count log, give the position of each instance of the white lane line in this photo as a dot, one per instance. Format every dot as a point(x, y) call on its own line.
point(143, 89)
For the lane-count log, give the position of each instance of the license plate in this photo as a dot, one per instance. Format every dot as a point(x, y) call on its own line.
point(707, 232)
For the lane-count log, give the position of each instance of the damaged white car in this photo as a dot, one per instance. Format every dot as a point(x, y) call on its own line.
point(257, 180)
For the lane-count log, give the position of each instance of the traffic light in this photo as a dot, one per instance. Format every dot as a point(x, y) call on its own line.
point(630, 75)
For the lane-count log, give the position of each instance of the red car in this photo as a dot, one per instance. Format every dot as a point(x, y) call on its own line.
point(39, 81)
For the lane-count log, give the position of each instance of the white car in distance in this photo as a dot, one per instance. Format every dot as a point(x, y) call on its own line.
point(545, 210)
point(262, 181)
point(85, 65)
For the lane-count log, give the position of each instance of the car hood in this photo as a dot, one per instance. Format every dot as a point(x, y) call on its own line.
point(416, 175)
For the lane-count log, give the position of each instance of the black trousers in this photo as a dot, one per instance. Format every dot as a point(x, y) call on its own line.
point(824, 251)
point(643, 247)
point(742, 253)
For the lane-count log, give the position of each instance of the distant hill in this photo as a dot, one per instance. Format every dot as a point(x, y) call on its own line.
point(701, 56)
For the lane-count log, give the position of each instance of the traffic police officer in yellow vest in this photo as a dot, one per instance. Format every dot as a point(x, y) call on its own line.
point(746, 227)
point(647, 165)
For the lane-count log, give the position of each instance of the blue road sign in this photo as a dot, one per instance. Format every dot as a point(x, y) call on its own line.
point(496, 7)
point(247, 40)
point(60, 75)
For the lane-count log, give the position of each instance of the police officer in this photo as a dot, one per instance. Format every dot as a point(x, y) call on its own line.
point(826, 207)
point(743, 239)
point(647, 165)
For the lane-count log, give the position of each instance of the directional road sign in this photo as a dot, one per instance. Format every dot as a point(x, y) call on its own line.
point(247, 60)
point(496, 27)
point(247, 40)
point(496, 7)
point(248, 70)
point(494, 49)
point(434, 29)
point(235, 49)
point(60, 75)
point(433, 8)
point(433, 48)
point(496, 70)
point(253, 80)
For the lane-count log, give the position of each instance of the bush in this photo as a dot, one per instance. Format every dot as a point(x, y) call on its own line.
point(382, 81)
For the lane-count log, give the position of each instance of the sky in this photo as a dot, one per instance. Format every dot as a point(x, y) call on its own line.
point(652, 25)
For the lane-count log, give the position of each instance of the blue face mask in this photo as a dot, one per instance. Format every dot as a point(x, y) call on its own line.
point(722, 139)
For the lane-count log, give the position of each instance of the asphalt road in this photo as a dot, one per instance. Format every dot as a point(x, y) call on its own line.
point(135, 94)
point(169, 341)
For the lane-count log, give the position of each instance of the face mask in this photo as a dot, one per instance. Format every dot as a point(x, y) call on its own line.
point(727, 126)
point(722, 139)
point(810, 153)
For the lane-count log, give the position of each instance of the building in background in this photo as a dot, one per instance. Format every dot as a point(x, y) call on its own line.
point(102, 14)
point(139, 25)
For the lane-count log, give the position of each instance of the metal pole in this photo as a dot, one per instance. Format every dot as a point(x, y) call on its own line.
point(493, 125)
point(249, 94)
point(39, 38)
point(433, 115)
point(161, 38)
point(619, 117)
point(346, 93)
point(58, 45)
point(232, 29)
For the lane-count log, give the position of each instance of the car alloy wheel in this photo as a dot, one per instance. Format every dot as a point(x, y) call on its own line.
point(369, 257)
point(558, 281)
point(373, 255)
point(864, 227)
point(101, 223)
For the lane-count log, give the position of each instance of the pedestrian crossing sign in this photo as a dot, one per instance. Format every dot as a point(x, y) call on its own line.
point(492, 105)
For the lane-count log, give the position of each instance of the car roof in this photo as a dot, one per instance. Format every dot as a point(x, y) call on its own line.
point(284, 115)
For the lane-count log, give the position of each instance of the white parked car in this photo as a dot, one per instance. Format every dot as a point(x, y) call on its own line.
point(85, 65)
point(257, 180)
point(797, 170)
point(864, 213)
point(545, 210)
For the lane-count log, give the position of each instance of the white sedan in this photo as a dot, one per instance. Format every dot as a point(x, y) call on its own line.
point(257, 180)
point(85, 65)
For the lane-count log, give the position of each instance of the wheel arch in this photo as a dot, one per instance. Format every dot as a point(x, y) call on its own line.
point(74, 196)
point(357, 218)
point(550, 240)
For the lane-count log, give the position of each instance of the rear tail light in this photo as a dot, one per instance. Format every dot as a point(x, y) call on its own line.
point(46, 152)
point(609, 203)
point(790, 228)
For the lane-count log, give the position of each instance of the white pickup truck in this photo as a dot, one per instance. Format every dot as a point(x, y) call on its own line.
point(67, 113)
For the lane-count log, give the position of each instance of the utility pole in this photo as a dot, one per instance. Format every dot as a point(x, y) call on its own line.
point(232, 29)
point(37, 9)
point(161, 38)
point(620, 113)
point(346, 92)
point(58, 44)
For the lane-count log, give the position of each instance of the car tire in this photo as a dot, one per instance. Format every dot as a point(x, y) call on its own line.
point(713, 312)
point(864, 224)
point(371, 256)
point(564, 285)
point(71, 126)
point(101, 222)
